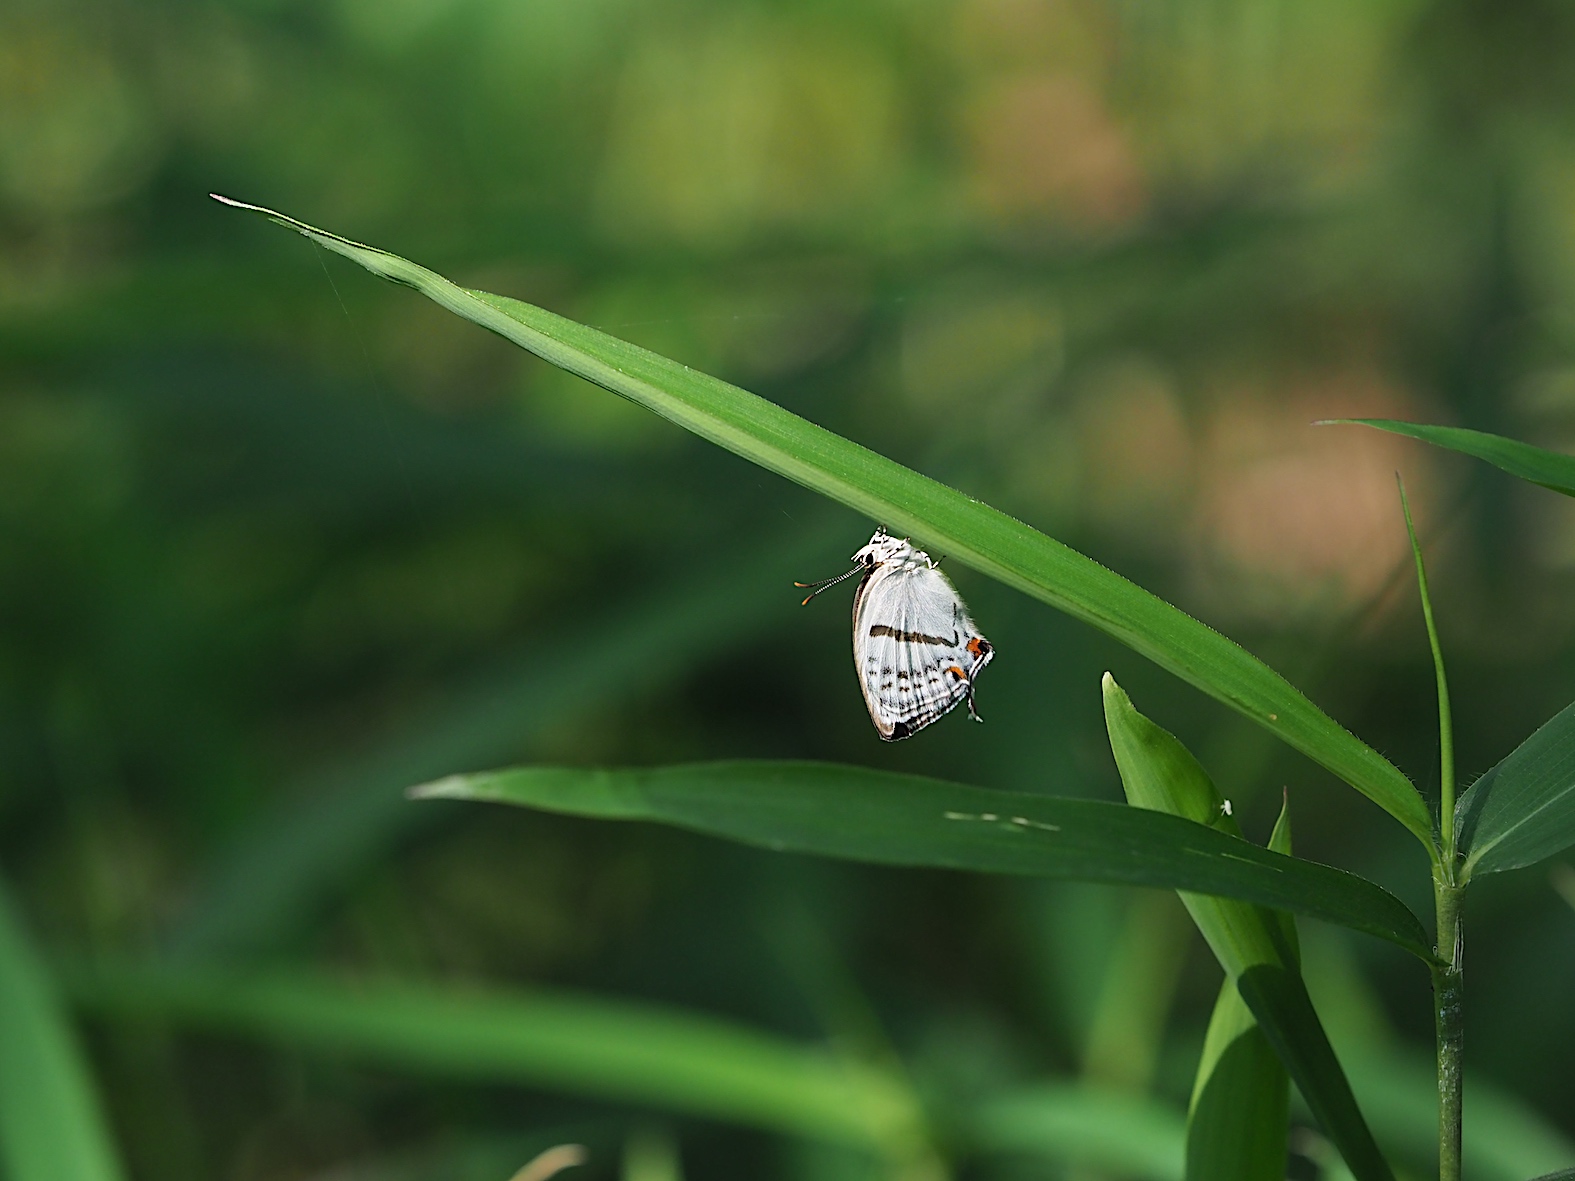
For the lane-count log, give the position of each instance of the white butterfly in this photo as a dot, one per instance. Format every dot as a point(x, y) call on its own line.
point(916, 650)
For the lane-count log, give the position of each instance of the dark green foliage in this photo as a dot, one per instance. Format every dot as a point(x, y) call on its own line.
point(277, 540)
point(277, 874)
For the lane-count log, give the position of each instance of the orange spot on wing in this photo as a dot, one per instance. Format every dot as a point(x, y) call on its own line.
point(976, 646)
point(961, 676)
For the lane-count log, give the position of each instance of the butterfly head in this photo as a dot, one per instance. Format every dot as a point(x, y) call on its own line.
point(881, 549)
point(884, 549)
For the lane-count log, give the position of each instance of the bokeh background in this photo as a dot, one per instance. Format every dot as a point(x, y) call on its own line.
point(279, 541)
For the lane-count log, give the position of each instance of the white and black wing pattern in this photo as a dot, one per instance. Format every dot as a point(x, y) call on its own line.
point(916, 650)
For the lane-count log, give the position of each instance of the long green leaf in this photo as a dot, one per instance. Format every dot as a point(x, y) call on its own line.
point(1238, 1120)
point(1523, 810)
point(1112, 1132)
point(963, 528)
point(892, 819)
point(1536, 465)
point(51, 1127)
point(606, 1049)
point(1159, 772)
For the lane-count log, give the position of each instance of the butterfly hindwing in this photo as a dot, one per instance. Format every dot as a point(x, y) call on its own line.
point(915, 647)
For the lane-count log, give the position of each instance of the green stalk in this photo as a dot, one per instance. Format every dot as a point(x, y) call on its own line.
point(1449, 1026)
point(1448, 973)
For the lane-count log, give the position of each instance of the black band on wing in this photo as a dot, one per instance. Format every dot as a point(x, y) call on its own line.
point(902, 637)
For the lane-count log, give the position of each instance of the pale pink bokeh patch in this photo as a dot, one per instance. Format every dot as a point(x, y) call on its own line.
point(1293, 518)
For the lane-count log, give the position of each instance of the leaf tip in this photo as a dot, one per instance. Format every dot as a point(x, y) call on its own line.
point(1114, 694)
point(1280, 837)
point(450, 787)
point(1118, 707)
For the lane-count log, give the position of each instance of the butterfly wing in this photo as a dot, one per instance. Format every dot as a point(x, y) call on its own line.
point(915, 647)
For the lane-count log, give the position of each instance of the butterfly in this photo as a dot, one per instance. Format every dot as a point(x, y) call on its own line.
point(916, 650)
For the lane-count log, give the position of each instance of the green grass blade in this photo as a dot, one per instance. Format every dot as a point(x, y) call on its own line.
point(622, 1051)
point(887, 818)
point(1523, 810)
point(1239, 1116)
point(1136, 992)
point(1158, 772)
point(1536, 465)
point(1280, 842)
point(345, 818)
point(909, 503)
point(1561, 1175)
point(1118, 1133)
point(51, 1127)
point(1446, 724)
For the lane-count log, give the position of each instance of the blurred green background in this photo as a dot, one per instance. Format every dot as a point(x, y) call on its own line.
point(279, 541)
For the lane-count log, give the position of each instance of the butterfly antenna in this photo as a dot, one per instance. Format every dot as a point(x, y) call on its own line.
point(826, 583)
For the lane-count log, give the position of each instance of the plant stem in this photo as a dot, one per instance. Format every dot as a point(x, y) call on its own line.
point(1448, 973)
point(1449, 1024)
